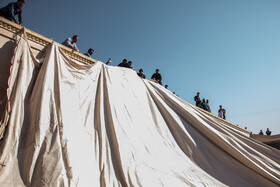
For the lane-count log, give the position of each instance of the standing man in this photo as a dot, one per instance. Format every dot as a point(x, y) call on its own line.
point(89, 53)
point(71, 42)
point(11, 10)
point(157, 77)
point(224, 113)
point(141, 74)
point(197, 100)
point(220, 112)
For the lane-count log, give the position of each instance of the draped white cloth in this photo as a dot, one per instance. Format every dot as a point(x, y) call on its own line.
point(74, 124)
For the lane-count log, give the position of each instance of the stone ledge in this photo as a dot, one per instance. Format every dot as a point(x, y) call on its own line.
point(44, 41)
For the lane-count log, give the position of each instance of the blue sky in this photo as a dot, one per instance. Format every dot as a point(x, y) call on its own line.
point(229, 50)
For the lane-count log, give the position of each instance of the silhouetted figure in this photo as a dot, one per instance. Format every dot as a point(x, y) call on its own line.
point(203, 104)
point(129, 64)
point(208, 106)
point(222, 112)
point(268, 132)
point(197, 100)
point(71, 42)
point(11, 10)
point(157, 77)
point(141, 74)
point(89, 53)
point(123, 63)
point(261, 132)
point(166, 86)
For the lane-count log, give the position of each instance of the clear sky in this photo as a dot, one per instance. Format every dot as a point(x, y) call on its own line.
point(229, 50)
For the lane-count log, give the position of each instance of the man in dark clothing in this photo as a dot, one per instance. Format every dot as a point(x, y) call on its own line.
point(129, 64)
point(11, 10)
point(157, 77)
point(197, 100)
point(123, 63)
point(89, 53)
point(224, 111)
point(268, 132)
point(208, 106)
point(261, 132)
point(141, 74)
point(203, 104)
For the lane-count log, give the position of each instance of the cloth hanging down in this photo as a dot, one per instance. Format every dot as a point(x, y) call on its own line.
point(73, 124)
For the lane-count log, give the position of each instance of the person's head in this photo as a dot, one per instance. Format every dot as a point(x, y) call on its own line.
point(203, 100)
point(157, 70)
point(20, 3)
point(221, 106)
point(124, 61)
point(75, 38)
point(129, 63)
point(207, 101)
point(141, 71)
point(197, 93)
point(260, 130)
point(90, 51)
point(268, 129)
point(166, 86)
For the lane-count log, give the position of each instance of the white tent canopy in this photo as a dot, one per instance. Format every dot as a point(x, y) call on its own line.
point(74, 124)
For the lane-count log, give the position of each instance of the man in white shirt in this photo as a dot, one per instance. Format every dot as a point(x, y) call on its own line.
point(71, 42)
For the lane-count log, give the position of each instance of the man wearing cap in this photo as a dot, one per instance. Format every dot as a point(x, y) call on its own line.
point(89, 53)
point(71, 42)
point(11, 10)
point(141, 74)
point(157, 77)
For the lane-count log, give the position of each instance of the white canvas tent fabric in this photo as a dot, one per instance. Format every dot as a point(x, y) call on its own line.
point(74, 124)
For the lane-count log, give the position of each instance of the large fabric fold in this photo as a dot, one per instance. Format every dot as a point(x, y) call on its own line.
point(74, 124)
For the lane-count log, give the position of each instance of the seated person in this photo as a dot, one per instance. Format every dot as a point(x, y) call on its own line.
point(123, 63)
point(89, 53)
point(129, 64)
point(71, 42)
point(268, 132)
point(141, 74)
point(157, 77)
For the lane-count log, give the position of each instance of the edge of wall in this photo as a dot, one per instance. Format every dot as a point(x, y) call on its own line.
point(43, 41)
